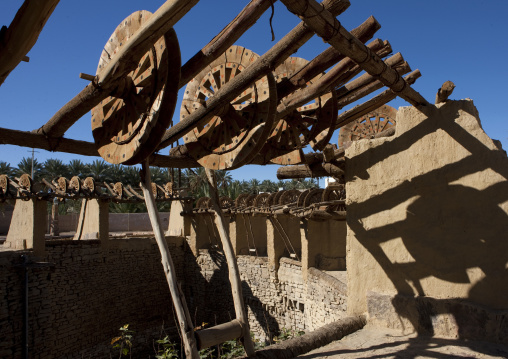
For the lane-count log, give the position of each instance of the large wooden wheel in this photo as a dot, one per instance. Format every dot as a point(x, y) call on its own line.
point(236, 134)
point(311, 123)
point(128, 126)
point(368, 125)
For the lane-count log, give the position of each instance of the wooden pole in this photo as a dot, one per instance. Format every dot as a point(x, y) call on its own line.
point(329, 28)
point(372, 104)
point(182, 313)
point(444, 92)
point(234, 273)
point(310, 171)
point(22, 33)
point(264, 65)
point(227, 37)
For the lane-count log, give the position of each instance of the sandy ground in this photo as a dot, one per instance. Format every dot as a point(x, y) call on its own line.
point(384, 343)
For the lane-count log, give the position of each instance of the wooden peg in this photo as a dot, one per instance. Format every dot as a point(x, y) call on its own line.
point(86, 76)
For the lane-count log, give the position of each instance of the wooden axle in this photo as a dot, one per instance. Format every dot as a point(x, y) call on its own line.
point(330, 29)
point(310, 171)
point(264, 65)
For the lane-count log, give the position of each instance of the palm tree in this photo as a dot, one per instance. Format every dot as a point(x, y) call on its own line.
point(254, 186)
point(100, 171)
point(77, 168)
point(268, 186)
point(224, 180)
point(54, 168)
point(131, 176)
point(198, 182)
point(117, 173)
point(6, 169)
point(25, 166)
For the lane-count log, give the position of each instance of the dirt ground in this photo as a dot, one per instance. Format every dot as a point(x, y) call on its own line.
point(372, 342)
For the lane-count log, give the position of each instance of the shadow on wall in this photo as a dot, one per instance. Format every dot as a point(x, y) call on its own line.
point(440, 230)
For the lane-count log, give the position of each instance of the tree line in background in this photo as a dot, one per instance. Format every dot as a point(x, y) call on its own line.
point(194, 180)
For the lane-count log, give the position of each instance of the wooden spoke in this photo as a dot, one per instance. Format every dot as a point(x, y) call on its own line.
point(300, 128)
point(368, 125)
point(128, 126)
point(237, 132)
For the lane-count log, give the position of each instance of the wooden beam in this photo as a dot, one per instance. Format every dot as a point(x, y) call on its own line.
point(329, 28)
point(22, 34)
point(331, 169)
point(444, 92)
point(262, 66)
point(227, 37)
point(219, 334)
point(372, 104)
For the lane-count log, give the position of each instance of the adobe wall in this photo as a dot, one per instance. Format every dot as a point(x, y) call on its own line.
point(427, 216)
point(77, 305)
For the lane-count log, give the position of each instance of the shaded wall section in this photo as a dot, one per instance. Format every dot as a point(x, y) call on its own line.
point(428, 217)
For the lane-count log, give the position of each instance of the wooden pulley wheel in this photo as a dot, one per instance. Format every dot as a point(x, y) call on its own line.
point(128, 126)
point(238, 130)
point(261, 200)
point(118, 189)
point(301, 198)
point(368, 125)
point(89, 185)
point(312, 123)
point(4, 187)
point(333, 191)
point(225, 202)
point(240, 201)
point(314, 196)
point(202, 202)
point(289, 196)
point(26, 182)
point(62, 184)
point(270, 201)
point(277, 197)
point(75, 184)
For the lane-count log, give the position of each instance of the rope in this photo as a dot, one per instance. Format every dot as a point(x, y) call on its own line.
point(285, 237)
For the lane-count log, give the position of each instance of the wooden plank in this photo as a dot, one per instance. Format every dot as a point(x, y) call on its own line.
point(234, 273)
point(182, 313)
point(22, 33)
point(329, 28)
point(264, 65)
point(219, 334)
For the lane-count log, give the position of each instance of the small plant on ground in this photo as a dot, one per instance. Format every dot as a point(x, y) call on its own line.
point(123, 342)
point(166, 349)
point(286, 334)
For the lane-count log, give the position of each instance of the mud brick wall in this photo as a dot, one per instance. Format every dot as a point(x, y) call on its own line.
point(77, 305)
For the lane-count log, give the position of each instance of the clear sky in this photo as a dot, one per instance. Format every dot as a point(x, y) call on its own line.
point(459, 40)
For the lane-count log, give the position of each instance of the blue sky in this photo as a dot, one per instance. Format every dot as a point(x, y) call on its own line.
point(459, 40)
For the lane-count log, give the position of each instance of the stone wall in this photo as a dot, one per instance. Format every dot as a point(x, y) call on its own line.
point(428, 219)
point(77, 304)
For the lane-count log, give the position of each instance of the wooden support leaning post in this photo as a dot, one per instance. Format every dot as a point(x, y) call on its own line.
point(330, 30)
point(182, 313)
point(234, 273)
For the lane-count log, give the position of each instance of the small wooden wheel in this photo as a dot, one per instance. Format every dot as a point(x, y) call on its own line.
point(168, 188)
point(89, 185)
point(270, 201)
point(236, 134)
point(314, 196)
point(26, 182)
point(75, 184)
point(249, 201)
point(63, 184)
point(4, 187)
point(277, 197)
point(334, 191)
point(225, 202)
point(202, 202)
point(261, 200)
point(289, 196)
point(128, 126)
point(240, 200)
point(312, 123)
point(368, 125)
point(118, 188)
point(301, 198)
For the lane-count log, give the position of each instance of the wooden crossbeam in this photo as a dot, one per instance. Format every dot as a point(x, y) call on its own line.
point(330, 30)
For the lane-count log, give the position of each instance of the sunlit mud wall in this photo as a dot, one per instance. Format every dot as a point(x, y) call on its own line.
point(427, 242)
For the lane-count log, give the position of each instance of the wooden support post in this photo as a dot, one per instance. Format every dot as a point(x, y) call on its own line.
point(179, 224)
point(28, 226)
point(54, 229)
point(444, 92)
point(234, 273)
point(22, 33)
point(182, 313)
point(93, 222)
point(329, 28)
point(262, 66)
